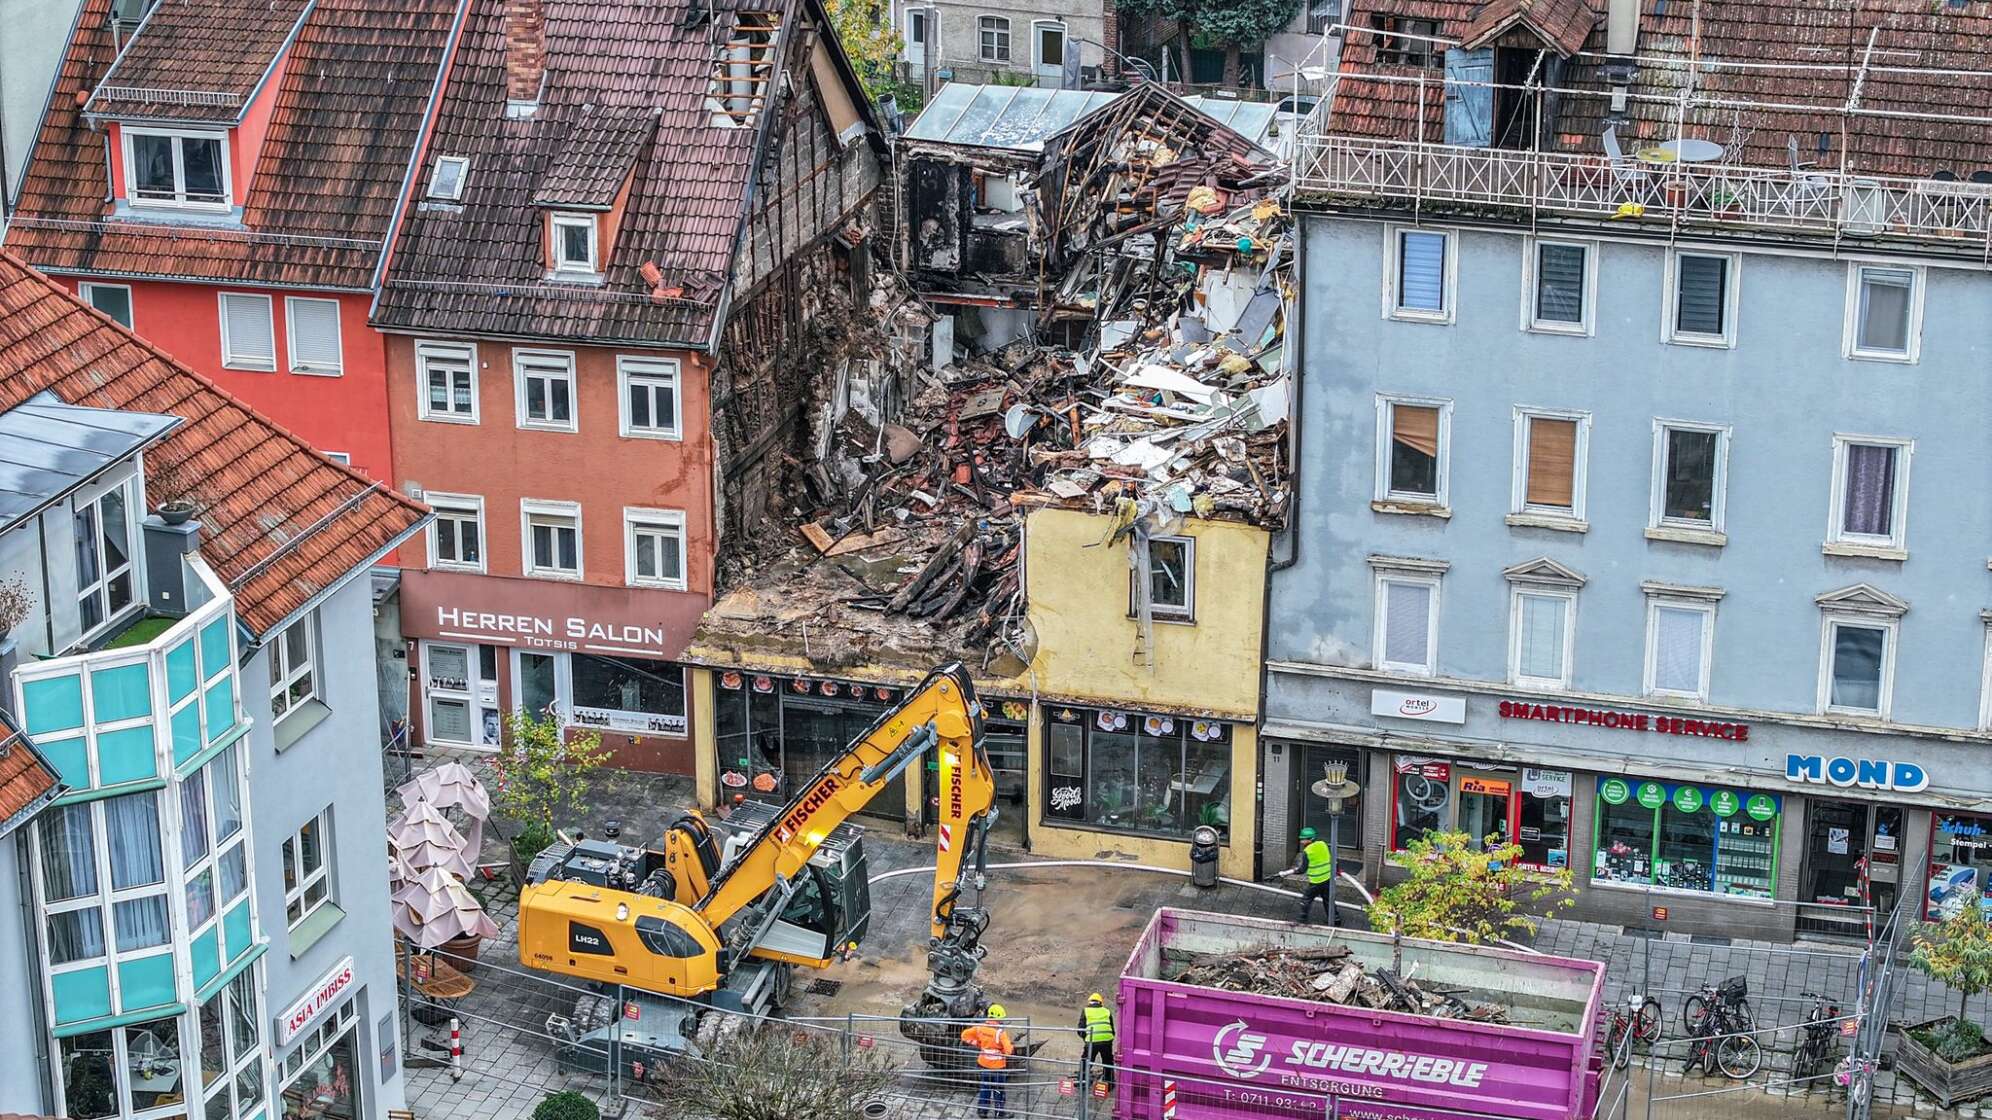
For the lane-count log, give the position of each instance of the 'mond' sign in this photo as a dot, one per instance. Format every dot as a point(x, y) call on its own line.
point(318, 999)
point(1866, 773)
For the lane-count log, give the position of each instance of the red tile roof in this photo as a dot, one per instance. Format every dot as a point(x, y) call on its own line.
point(27, 781)
point(347, 114)
point(1931, 60)
point(1563, 24)
point(282, 522)
point(196, 60)
point(479, 268)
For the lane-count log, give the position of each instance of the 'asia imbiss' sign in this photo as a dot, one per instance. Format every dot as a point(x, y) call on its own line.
point(317, 1000)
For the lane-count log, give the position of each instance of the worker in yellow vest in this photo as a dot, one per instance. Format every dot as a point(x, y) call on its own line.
point(1096, 1029)
point(1318, 864)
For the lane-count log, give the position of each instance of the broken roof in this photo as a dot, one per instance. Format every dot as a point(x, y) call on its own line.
point(1763, 77)
point(345, 118)
point(282, 523)
point(1022, 118)
point(48, 448)
point(196, 60)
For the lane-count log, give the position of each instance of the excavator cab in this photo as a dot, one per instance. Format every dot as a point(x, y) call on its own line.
point(829, 905)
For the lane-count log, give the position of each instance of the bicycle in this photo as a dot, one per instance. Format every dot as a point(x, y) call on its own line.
point(1720, 1043)
point(1731, 993)
point(1637, 1021)
point(1856, 1076)
point(1817, 1043)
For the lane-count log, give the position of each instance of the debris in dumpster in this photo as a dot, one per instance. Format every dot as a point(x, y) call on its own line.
point(1329, 975)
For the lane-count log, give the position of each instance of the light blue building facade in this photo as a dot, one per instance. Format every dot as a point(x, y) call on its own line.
point(1659, 550)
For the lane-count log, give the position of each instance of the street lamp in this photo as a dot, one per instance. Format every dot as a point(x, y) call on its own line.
point(1334, 788)
point(1137, 65)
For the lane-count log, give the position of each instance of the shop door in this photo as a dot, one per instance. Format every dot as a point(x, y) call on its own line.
point(1305, 810)
point(1832, 883)
point(1486, 806)
point(813, 733)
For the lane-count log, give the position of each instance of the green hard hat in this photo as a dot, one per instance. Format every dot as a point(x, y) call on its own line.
point(1308, 834)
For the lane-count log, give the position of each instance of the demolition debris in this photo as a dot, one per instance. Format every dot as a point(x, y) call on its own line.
point(1329, 974)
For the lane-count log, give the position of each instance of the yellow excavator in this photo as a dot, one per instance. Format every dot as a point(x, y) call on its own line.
point(720, 923)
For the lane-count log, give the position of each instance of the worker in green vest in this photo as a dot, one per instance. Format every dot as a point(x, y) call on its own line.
point(1318, 864)
point(1096, 1029)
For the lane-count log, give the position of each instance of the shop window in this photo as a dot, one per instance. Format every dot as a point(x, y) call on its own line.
point(1421, 792)
point(1544, 827)
point(747, 722)
point(1960, 858)
point(1483, 804)
point(1131, 772)
point(625, 694)
point(321, 1078)
point(1701, 839)
point(112, 1072)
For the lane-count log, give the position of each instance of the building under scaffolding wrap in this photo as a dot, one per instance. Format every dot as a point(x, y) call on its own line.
point(1080, 514)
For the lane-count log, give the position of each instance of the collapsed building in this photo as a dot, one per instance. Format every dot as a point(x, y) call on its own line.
point(1077, 506)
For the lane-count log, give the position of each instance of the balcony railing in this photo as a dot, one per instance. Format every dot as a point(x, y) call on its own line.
point(1708, 195)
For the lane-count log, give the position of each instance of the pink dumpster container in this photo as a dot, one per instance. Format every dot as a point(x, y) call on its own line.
point(1197, 1053)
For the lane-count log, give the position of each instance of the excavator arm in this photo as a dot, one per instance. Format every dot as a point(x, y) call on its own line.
point(942, 714)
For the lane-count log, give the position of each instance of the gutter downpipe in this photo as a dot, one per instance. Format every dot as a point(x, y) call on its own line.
point(1296, 359)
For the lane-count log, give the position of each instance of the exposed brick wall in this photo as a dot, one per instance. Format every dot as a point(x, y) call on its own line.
point(1110, 35)
point(525, 49)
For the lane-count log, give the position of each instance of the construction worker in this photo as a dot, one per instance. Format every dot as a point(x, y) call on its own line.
point(992, 1053)
point(1096, 1029)
point(1318, 863)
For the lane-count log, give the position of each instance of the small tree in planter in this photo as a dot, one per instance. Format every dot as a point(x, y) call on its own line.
point(542, 777)
point(1459, 890)
point(1957, 953)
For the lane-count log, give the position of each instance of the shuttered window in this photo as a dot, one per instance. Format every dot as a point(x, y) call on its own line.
point(1414, 450)
point(248, 341)
point(314, 335)
point(1540, 626)
point(1421, 272)
point(1701, 296)
point(1552, 464)
point(1559, 294)
point(1677, 643)
point(1406, 625)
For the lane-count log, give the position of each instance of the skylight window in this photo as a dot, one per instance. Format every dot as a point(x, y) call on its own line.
point(446, 181)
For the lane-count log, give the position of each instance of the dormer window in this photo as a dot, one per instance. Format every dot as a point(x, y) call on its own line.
point(176, 168)
point(446, 181)
point(574, 244)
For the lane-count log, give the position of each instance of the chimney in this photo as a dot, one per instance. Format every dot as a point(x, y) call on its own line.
point(525, 56)
point(1621, 44)
point(167, 546)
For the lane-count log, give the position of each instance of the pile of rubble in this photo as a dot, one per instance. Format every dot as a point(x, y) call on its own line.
point(1330, 974)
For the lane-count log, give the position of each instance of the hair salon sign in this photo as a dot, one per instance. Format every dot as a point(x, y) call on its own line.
point(535, 631)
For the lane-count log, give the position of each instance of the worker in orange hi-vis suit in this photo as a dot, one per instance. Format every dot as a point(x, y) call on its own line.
point(992, 1053)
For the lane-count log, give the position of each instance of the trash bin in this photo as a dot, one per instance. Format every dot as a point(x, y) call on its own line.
point(1203, 856)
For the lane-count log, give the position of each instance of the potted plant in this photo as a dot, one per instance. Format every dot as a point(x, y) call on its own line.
point(1950, 1057)
point(177, 493)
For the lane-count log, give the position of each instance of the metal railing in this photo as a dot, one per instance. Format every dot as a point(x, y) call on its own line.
point(1711, 195)
point(147, 94)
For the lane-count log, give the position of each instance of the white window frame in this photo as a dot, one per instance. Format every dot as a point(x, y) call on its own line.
point(1386, 403)
point(86, 291)
point(630, 369)
point(1656, 518)
point(179, 201)
point(1731, 300)
point(1038, 27)
point(457, 506)
point(1519, 509)
point(436, 181)
point(521, 373)
point(232, 360)
point(339, 457)
point(1850, 342)
point(560, 220)
point(1654, 604)
point(1829, 622)
point(106, 574)
point(107, 896)
point(1985, 675)
point(999, 25)
point(338, 365)
point(1587, 324)
point(424, 351)
point(1516, 594)
point(476, 694)
point(1380, 625)
point(1186, 613)
point(663, 522)
point(283, 673)
point(1895, 545)
point(291, 862)
point(226, 1085)
point(1449, 283)
point(529, 508)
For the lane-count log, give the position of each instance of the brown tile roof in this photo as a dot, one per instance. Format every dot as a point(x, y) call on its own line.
point(597, 157)
point(197, 60)
point(478, 268)
point(1753, 112)
point(282, 522)
point(1563, 24)
point(346, 118)
point(27, 781)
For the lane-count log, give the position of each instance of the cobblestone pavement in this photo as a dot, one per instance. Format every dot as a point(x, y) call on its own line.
point(1058, 934)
